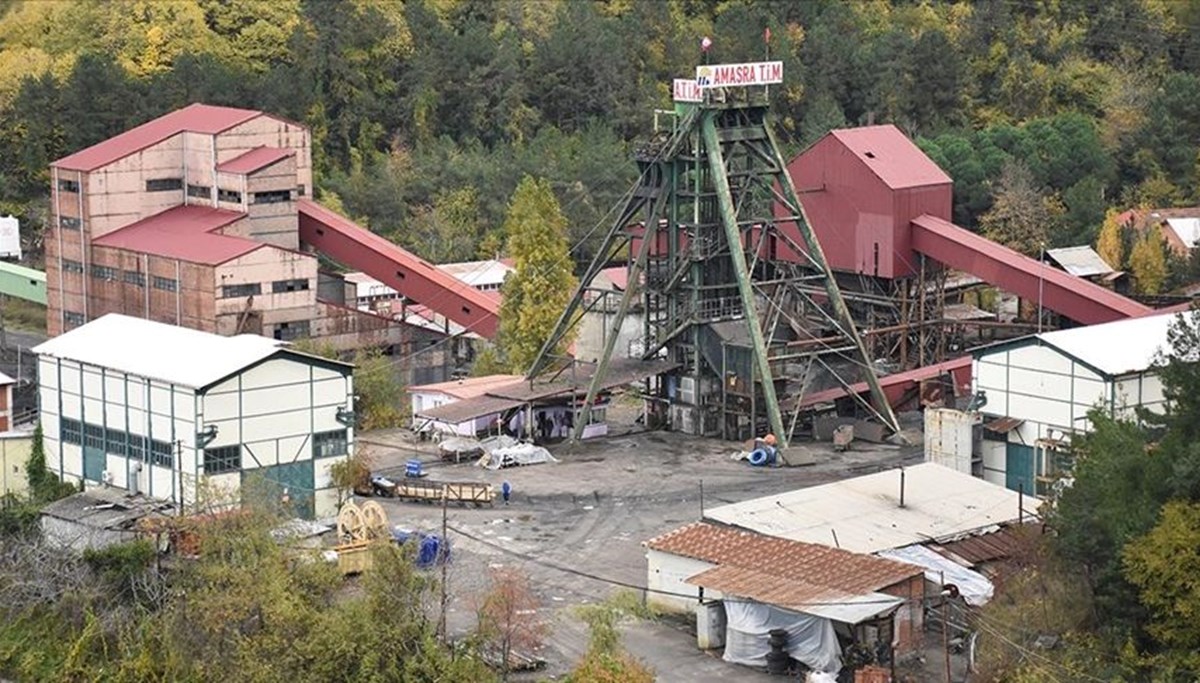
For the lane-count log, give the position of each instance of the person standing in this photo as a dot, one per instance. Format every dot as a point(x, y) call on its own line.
point(506, 491)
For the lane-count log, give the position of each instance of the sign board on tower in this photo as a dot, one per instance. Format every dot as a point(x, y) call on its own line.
point(738, 75)
point(686, 90)
point(10, 238)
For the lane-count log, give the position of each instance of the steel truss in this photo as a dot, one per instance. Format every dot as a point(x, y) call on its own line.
point(703, 229)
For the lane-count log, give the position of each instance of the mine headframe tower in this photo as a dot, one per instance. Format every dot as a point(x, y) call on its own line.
point(701, 228)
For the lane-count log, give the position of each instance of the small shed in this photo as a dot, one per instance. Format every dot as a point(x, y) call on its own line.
point(98, 518)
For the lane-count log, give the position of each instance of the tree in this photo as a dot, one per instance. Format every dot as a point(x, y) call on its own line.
point(508, 618)
point(351, 473)
point(542, 283)
point(606, 661)
point(1164, 565)
point(1148, 261)
point(1109, 243)
point(1022, 217)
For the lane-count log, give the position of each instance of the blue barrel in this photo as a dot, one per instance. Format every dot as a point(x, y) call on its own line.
point(412, 468)
point(758, 457)
point(432, 551)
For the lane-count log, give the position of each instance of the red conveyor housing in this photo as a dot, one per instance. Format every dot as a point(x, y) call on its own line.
point(414, 278)
point(1073, 297)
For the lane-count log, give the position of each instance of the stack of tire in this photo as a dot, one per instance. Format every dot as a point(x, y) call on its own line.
point(778, 659)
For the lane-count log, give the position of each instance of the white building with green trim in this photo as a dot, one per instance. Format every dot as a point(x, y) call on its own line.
point(158, 409)
point(1040, 389)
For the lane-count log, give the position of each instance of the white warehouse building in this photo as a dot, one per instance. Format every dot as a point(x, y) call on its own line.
point(1039, 390)
point(156, 409)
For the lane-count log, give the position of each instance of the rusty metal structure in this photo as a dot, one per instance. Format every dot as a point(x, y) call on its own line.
point(725, 288)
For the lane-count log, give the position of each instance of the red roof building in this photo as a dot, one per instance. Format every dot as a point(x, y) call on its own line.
point(195, 219)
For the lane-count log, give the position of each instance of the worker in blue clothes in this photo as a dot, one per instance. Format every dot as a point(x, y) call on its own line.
point(505, 491)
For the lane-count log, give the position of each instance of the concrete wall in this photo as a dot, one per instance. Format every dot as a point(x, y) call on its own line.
point(116, 194)
point(270, 132)
point(666, 573)
point(274, 409)
point(1040, 385)
point(190, 305)
point(593, 331)
point(264, 267)
point(115, 400)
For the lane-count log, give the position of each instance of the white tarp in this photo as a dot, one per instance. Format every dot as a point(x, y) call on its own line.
point(974, 587)
point(513, 456)
point(811, 640)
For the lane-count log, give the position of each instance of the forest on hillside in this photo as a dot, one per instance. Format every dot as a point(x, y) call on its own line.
point(426, 113)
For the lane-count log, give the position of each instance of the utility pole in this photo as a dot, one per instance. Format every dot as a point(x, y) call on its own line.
point(442, 557)
point(946, 625)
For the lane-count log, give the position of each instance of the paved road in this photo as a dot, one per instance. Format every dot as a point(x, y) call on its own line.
point(588, 515)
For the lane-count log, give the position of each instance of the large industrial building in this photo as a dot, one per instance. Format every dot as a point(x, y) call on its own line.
point(155, 409)
point(202, 218)
point(1040, 389)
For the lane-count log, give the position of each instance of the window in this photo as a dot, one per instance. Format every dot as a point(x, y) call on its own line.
point(166, 283)
point(223, 459)
point(231, 196)
point(273, 197)
point(164, 184)
point(329, 444)
point(199, 191)
point(137, 447)
point(70, 266)
point(290, 331)
point(69, 222)
point(93, 436)
point(70, 431)
point(300, 189)
point(162, 454)
point(72, 319)
point(280, 286)
point(133, 277)
point(114, 441)
point(68, 185)
point(234, 291)
point(104, 272)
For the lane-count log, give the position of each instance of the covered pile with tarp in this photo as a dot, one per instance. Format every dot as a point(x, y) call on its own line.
point(811, 639)
point(504, 451)
point(457, 448)
point(975, 588)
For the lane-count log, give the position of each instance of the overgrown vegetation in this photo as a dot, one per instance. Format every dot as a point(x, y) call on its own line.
point(606, 661)
point(1117, 582)
point(245, 609)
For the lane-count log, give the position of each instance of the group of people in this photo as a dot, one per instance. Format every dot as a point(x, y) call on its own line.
point(547, 425)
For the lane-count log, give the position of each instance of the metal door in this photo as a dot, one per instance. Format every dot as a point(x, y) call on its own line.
point(1018, 468)
point(295, 479)
point(94, 462)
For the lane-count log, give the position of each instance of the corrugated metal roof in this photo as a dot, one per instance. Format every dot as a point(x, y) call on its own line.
point(799, 596)
point(865, 515)
point(1080, 261)
point(196, 118)
point(1186, 229)
point(618, 276)
point(891, 156)
point(183, 232)
point(1007, 541)
point(620, 371)
point(168, 353)
point(817, 564)
point(1118, 348)
point(255, 159)
point(469, 387)
point(1003, 425)
point(469, 409)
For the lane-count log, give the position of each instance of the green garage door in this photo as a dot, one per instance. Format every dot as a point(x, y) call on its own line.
point(295, 478)
point(94, 462)
point(1019, 468)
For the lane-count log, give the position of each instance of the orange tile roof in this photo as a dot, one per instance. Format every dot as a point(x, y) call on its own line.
point(831, 570)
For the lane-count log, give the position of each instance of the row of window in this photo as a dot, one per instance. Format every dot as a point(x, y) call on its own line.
point(131, 277)
point(164, 185)
point(68, 185)
point(297, 329)
point(72, 319)
point(69, 223)
point(117, 442)
point(255, 288)
point(216, 460)
point(199, 191)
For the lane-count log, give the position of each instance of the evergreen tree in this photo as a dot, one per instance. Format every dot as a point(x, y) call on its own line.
point(538, 291)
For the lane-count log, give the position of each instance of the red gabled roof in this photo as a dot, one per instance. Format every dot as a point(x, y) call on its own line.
point(187, 233)
point(891, 156)
point(195, 118)
point(255, 159)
